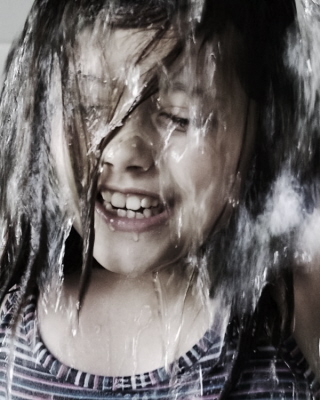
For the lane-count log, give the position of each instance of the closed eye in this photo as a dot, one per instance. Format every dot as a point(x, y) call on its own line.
point(172, 122)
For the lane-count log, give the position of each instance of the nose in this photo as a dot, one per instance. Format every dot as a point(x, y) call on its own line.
point(130, 154)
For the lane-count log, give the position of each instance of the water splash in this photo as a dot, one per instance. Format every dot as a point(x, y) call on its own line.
point(284, 212)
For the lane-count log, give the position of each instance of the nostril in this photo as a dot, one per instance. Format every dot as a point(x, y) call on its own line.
point(129, 168)
point(132, 155)
point(134, 168)
point(107, 163)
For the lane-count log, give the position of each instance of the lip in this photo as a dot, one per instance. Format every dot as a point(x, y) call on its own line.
point(124, 224)
point(128, 191)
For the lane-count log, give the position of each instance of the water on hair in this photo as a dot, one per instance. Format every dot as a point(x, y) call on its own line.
point(288, 212)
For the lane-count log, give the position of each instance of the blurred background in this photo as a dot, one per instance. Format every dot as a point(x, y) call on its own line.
point(12, 16)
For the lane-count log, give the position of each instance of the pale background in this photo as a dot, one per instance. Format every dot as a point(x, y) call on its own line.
point(13, 14)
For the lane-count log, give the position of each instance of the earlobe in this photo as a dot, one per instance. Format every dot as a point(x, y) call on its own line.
point(234, 195)
point(249, 135)
point(234, 192)
point(231, 203)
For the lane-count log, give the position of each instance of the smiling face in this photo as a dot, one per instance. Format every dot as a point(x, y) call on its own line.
point(169, 175)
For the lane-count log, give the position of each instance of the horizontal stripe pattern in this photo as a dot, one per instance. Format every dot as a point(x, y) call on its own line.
point(200, 374)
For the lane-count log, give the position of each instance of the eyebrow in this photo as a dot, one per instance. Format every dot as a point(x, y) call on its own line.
point(179, 86)
point(91, 78)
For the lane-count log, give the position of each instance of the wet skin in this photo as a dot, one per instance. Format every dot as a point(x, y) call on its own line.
point(180, 148)
point(180, 155)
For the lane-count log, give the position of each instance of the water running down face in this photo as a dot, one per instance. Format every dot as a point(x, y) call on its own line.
point(173, 167)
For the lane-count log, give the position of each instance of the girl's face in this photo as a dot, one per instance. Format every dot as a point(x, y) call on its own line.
point(173, 171)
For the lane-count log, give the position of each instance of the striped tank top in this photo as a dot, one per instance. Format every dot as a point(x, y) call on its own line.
point(29, 371)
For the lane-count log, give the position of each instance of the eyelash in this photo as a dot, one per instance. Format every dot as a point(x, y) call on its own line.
point(172, 122)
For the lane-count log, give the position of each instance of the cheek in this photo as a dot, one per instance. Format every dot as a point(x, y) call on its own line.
point(204, 176)
point(63, 168)
point(195, 169)
point(197, 178)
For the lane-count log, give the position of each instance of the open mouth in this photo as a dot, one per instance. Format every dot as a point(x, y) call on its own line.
point(132, 206)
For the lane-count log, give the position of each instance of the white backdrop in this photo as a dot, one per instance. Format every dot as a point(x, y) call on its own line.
point(12, 17)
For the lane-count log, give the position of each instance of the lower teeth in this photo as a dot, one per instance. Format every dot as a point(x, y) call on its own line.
point(147, 212)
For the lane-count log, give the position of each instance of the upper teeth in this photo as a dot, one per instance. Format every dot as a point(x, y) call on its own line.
point(131, 202)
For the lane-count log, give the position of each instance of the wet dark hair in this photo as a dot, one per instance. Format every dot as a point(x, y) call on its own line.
point(36, 231)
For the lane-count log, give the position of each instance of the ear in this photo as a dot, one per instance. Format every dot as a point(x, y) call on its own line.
point(249, 136)
point(233, 196)
point(232, 202)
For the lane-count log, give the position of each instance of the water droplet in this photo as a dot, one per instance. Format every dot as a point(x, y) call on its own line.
point(111, 227)
point(135, 236)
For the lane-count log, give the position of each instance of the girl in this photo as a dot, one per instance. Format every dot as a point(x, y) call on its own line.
point(130, 133)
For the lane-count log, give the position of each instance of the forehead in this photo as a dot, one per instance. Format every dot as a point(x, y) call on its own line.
point(110, 60)
point(115, 65)
point(205, 76)
point(111, 52)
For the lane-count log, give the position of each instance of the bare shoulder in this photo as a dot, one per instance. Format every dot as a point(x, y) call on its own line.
point(306, 328)
point(57, 317)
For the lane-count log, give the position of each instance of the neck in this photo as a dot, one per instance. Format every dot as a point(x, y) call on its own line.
point(166, 296)
point(157, 317)
point(306, 329)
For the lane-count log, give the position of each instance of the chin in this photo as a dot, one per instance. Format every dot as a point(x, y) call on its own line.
point(135, 261)
point(137, 253)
